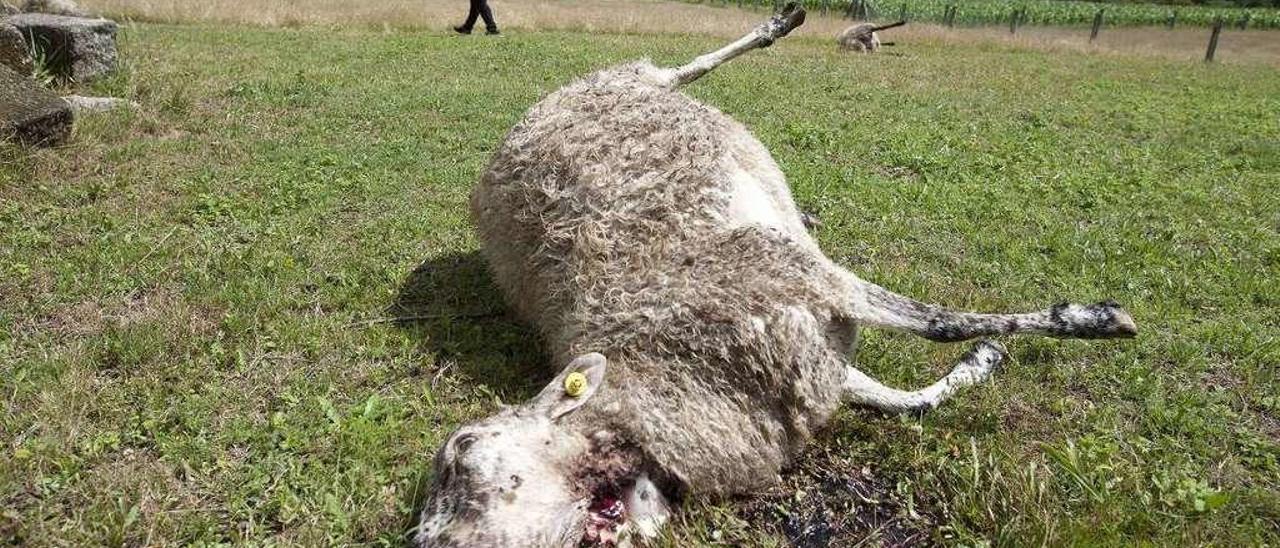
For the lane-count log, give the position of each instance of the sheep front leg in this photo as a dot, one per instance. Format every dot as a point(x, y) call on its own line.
point(647, 511)
point(975, 367)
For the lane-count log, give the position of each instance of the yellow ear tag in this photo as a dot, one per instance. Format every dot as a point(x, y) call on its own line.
point(575, 384)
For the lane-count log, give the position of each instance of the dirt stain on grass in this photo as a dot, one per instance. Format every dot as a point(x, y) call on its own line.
point(829, 500)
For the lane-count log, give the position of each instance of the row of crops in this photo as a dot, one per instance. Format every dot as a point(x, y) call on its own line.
point(1034, 12)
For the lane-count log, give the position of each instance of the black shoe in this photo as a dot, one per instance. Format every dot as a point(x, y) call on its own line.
point(462, 30)
point(492, 32)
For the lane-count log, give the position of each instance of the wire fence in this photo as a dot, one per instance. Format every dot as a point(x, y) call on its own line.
point(1016, 13)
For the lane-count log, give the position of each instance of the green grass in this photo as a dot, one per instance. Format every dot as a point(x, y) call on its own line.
point(182, 358)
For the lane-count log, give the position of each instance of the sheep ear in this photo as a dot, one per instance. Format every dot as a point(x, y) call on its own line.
point(557, 399)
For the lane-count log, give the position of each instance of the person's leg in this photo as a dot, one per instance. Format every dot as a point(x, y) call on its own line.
point(471, 17)
point(490, 25)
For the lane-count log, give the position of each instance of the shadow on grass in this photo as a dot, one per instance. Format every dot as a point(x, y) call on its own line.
point(451, 308)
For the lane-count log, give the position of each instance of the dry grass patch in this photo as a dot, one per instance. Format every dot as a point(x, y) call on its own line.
point(1252, 46)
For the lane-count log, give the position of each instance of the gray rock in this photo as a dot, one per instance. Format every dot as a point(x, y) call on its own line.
point(54, 7)
point(13, 50)
point(81, 104)
point(31, 114)
point(73, 48)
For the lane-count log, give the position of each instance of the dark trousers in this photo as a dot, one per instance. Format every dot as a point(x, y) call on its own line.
point(480, 8)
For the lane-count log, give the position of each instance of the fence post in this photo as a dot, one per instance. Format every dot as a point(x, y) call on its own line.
point(1013, 21)
point(1173, 19)
point(949, 17)
point(1244, 21)
point(851, 11)
point(1097, 25)
point(902, 12)
point(1213, 40)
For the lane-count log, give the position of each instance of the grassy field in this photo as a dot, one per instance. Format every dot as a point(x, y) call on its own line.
point(192, 296)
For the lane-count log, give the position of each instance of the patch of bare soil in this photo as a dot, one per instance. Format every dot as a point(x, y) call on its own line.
point(92, 317)
point(897, 172)
point(829, 500)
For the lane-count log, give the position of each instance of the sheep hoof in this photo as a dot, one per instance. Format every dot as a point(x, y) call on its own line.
point(783, 22)
point(1104, 320)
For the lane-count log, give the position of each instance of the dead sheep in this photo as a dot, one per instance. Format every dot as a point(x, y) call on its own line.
point(864, 37)
point(703, 335)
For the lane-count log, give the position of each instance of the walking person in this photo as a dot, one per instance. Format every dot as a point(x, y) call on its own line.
point(479, 8)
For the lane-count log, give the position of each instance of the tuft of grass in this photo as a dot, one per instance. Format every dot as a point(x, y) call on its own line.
point(185, 356)
point(41, 69)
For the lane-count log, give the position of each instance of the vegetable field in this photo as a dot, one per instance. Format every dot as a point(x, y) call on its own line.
point(1037, 12)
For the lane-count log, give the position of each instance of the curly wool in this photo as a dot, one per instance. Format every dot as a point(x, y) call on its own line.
point(604, 221)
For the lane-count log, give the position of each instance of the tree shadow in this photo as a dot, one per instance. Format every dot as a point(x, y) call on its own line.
point(451, 307)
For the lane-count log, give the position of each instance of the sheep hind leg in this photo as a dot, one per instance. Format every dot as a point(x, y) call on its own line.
point(763, 36)
point(976, 366)
point(876, 306)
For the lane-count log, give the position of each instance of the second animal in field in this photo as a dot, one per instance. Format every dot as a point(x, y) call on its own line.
point(864, 37)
